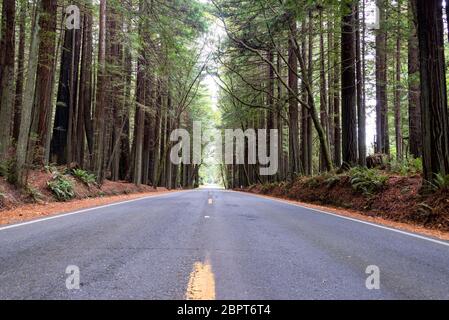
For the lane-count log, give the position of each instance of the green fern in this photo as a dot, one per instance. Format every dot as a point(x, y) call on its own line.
point(85, 177)
point(61, 187)
point(367, 181)
point(440, 182)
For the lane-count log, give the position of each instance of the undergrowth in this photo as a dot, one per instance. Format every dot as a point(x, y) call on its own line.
point(85, 177)
point(61, 187)
point(367, 181)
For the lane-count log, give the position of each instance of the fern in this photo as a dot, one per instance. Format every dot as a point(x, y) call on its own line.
point(84, 176)
point(367, 181)
point(61, 187)
point(440, 182)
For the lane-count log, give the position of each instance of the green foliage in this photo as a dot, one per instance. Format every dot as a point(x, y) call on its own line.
point(33, 193)
point(440, 182)
point(367, 181)
point(85, 177)
point(61, 187)
point(312, 182)
point(407, 167)
point(332, 181)
point(8, 170)
point(267, 187)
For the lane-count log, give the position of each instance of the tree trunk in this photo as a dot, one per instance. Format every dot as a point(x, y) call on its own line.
point(61, 144)
point(382, 136)
point(85, 98)
point(7, 50)
point(323, 93)
point(360, 70)
point(20, 71)
point(293, 104)
point(397, 92)
point(304, 112)
point(348, 90)
point(43, 108)
point(414, 90)
point(433, 89)
point(100, 102)
point(26, 115)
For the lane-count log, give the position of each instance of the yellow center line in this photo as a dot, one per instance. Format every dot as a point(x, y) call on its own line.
point(201, 283)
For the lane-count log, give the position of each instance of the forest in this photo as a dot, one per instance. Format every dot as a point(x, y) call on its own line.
point(98, 86)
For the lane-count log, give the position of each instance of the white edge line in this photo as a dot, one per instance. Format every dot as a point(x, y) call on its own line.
point(57, 216)
point(414, 235)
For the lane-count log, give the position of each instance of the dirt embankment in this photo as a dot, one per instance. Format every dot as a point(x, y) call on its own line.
point(17, 205)
point(398, 200)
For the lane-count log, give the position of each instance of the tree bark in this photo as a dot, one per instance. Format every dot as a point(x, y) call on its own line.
point(293, 103)
point(398, 89)
point(20, 71)
point(27, 107)
point(100, 102)
point(433, 89)
point(323, 93)
point(348, 90)
point(43, 108)
point(7, 52)
point(360, 70)
point(61, 144)
point(414, 89)
point(382, 136)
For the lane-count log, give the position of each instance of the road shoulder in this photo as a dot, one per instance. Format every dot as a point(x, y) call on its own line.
point(34, 211)
point(360, 216)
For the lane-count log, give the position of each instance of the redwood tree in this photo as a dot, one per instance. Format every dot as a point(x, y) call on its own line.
point(433, 88)
point(7, 50)
point(348, 85)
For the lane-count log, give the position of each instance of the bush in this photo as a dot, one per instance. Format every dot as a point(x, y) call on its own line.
point(367, 181)
point(61, 187)
point(85, 177)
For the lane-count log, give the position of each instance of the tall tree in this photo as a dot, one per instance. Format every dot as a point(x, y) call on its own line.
point(360, 71)
point(348, 85)
point(293, 102)
point(398, 88)
point(61, 143)
point(43, 108)
point(27, 107)
point(323, 89)
point(84, 118)
point(100, 100)
point(20, 70)
point(7, 52)
point(414, 90)
point(435, 128)
point(382, 136)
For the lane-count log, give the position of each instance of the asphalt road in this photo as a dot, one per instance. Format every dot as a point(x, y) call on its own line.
point(255, 248)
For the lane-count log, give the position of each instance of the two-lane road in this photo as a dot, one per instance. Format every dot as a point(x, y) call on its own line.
point(216, 244)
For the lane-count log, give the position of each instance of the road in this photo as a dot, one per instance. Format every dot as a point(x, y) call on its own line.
point(216, 244)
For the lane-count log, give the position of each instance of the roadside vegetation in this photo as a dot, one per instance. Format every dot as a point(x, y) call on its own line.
point(395, 192)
